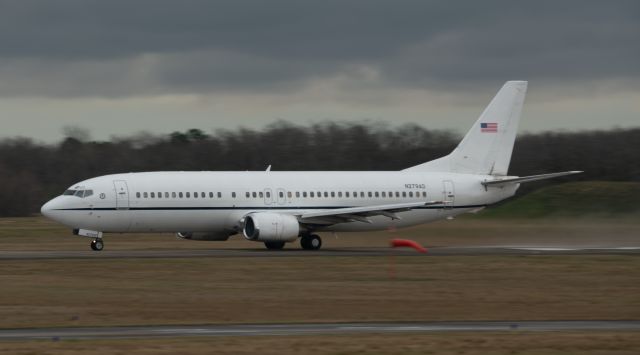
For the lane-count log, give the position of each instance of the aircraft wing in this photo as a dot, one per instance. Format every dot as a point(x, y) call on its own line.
point(519, 179)
point(361, 214)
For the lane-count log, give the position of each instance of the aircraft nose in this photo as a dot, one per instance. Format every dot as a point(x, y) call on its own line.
point(47, 208)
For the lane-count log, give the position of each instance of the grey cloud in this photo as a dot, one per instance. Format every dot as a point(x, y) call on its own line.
point(127, 48)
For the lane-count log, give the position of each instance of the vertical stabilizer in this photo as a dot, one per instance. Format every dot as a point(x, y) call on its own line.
point(487, 147)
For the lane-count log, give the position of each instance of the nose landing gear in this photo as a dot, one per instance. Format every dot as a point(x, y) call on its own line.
point(97, 244)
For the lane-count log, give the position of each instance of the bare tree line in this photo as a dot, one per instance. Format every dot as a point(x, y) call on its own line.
point(31, 173)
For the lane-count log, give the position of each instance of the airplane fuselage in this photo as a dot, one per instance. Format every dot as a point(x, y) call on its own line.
point(217, 201)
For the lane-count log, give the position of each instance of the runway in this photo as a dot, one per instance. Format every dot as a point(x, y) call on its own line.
point(237, 253)
point(313, 328)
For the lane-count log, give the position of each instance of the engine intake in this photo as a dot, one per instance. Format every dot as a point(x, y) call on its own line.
point(270, 227)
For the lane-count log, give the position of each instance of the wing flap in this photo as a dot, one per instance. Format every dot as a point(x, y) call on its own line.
point(361, 214)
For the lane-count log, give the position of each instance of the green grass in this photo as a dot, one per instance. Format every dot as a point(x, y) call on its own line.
point(576, 199)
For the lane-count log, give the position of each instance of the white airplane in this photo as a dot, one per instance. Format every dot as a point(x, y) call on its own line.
point(278, 207)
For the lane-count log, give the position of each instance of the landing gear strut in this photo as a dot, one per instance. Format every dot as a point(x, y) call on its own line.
point(310, 242)
point(274, 245)
point(97, 244)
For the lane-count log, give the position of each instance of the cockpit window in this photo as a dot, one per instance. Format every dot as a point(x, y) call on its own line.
point(78, 193)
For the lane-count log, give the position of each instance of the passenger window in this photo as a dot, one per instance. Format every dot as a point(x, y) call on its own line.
point(166, 195)
point(369, 194)
point(339, 193)
point(180, 194)
point(153, 195)
point(384, 194)
point(410, 193)
point(297, 194)
point(311, 194)
point(281, 194)
point(188, 194)
point(173, 194)
point(397, 194)
point(254, 194)
point(304, 194)
point(210, 194)
point(319, 194)
point(247, 194)
point(261, 194)
point(289, 194)
point(145, 195)
point(404, 194)
point(377, 194)
point(346, 194)
point(233, 194)
point(424, 194)
point(326, 194)
point(333, 194)
point(220, 195)
point(137, 194)
point(268, 194)
point(390, 193)
point(195, 195)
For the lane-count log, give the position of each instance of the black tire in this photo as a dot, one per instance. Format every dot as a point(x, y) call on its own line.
point(311, 242)
point(304, 242)
point(315, 242)
point(97, 245)
point(274, 245)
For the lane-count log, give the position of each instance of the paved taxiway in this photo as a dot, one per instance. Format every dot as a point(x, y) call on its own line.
point(433, 251)
point(311, 328)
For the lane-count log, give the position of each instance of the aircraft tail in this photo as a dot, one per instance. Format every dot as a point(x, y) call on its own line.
point(487, 147)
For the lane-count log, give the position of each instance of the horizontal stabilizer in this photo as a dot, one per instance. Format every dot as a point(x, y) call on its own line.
point(517, 180)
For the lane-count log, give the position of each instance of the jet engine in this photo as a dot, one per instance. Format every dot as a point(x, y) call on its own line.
point(270, 227)
point(219, 236)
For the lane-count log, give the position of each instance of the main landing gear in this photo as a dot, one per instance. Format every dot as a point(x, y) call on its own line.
point(97, 244)
point(310, 242)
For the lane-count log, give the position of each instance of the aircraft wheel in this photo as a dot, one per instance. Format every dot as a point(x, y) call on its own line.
point(97, 244)
point(274, 245)
point(311, 242)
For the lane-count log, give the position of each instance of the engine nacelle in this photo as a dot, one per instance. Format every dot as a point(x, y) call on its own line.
point(270, 227)
point(219, 236)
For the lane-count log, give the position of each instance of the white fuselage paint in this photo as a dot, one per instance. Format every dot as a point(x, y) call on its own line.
point(118, 203)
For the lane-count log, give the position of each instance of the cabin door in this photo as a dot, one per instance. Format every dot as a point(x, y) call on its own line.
point(122, 194)
point(448, 193)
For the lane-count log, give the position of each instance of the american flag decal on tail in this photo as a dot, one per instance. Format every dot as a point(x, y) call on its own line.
point(488, 127)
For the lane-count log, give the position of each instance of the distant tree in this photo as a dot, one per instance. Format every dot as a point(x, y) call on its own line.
point(31, 173)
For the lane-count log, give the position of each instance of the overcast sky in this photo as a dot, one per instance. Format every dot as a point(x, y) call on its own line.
point(120, 67)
